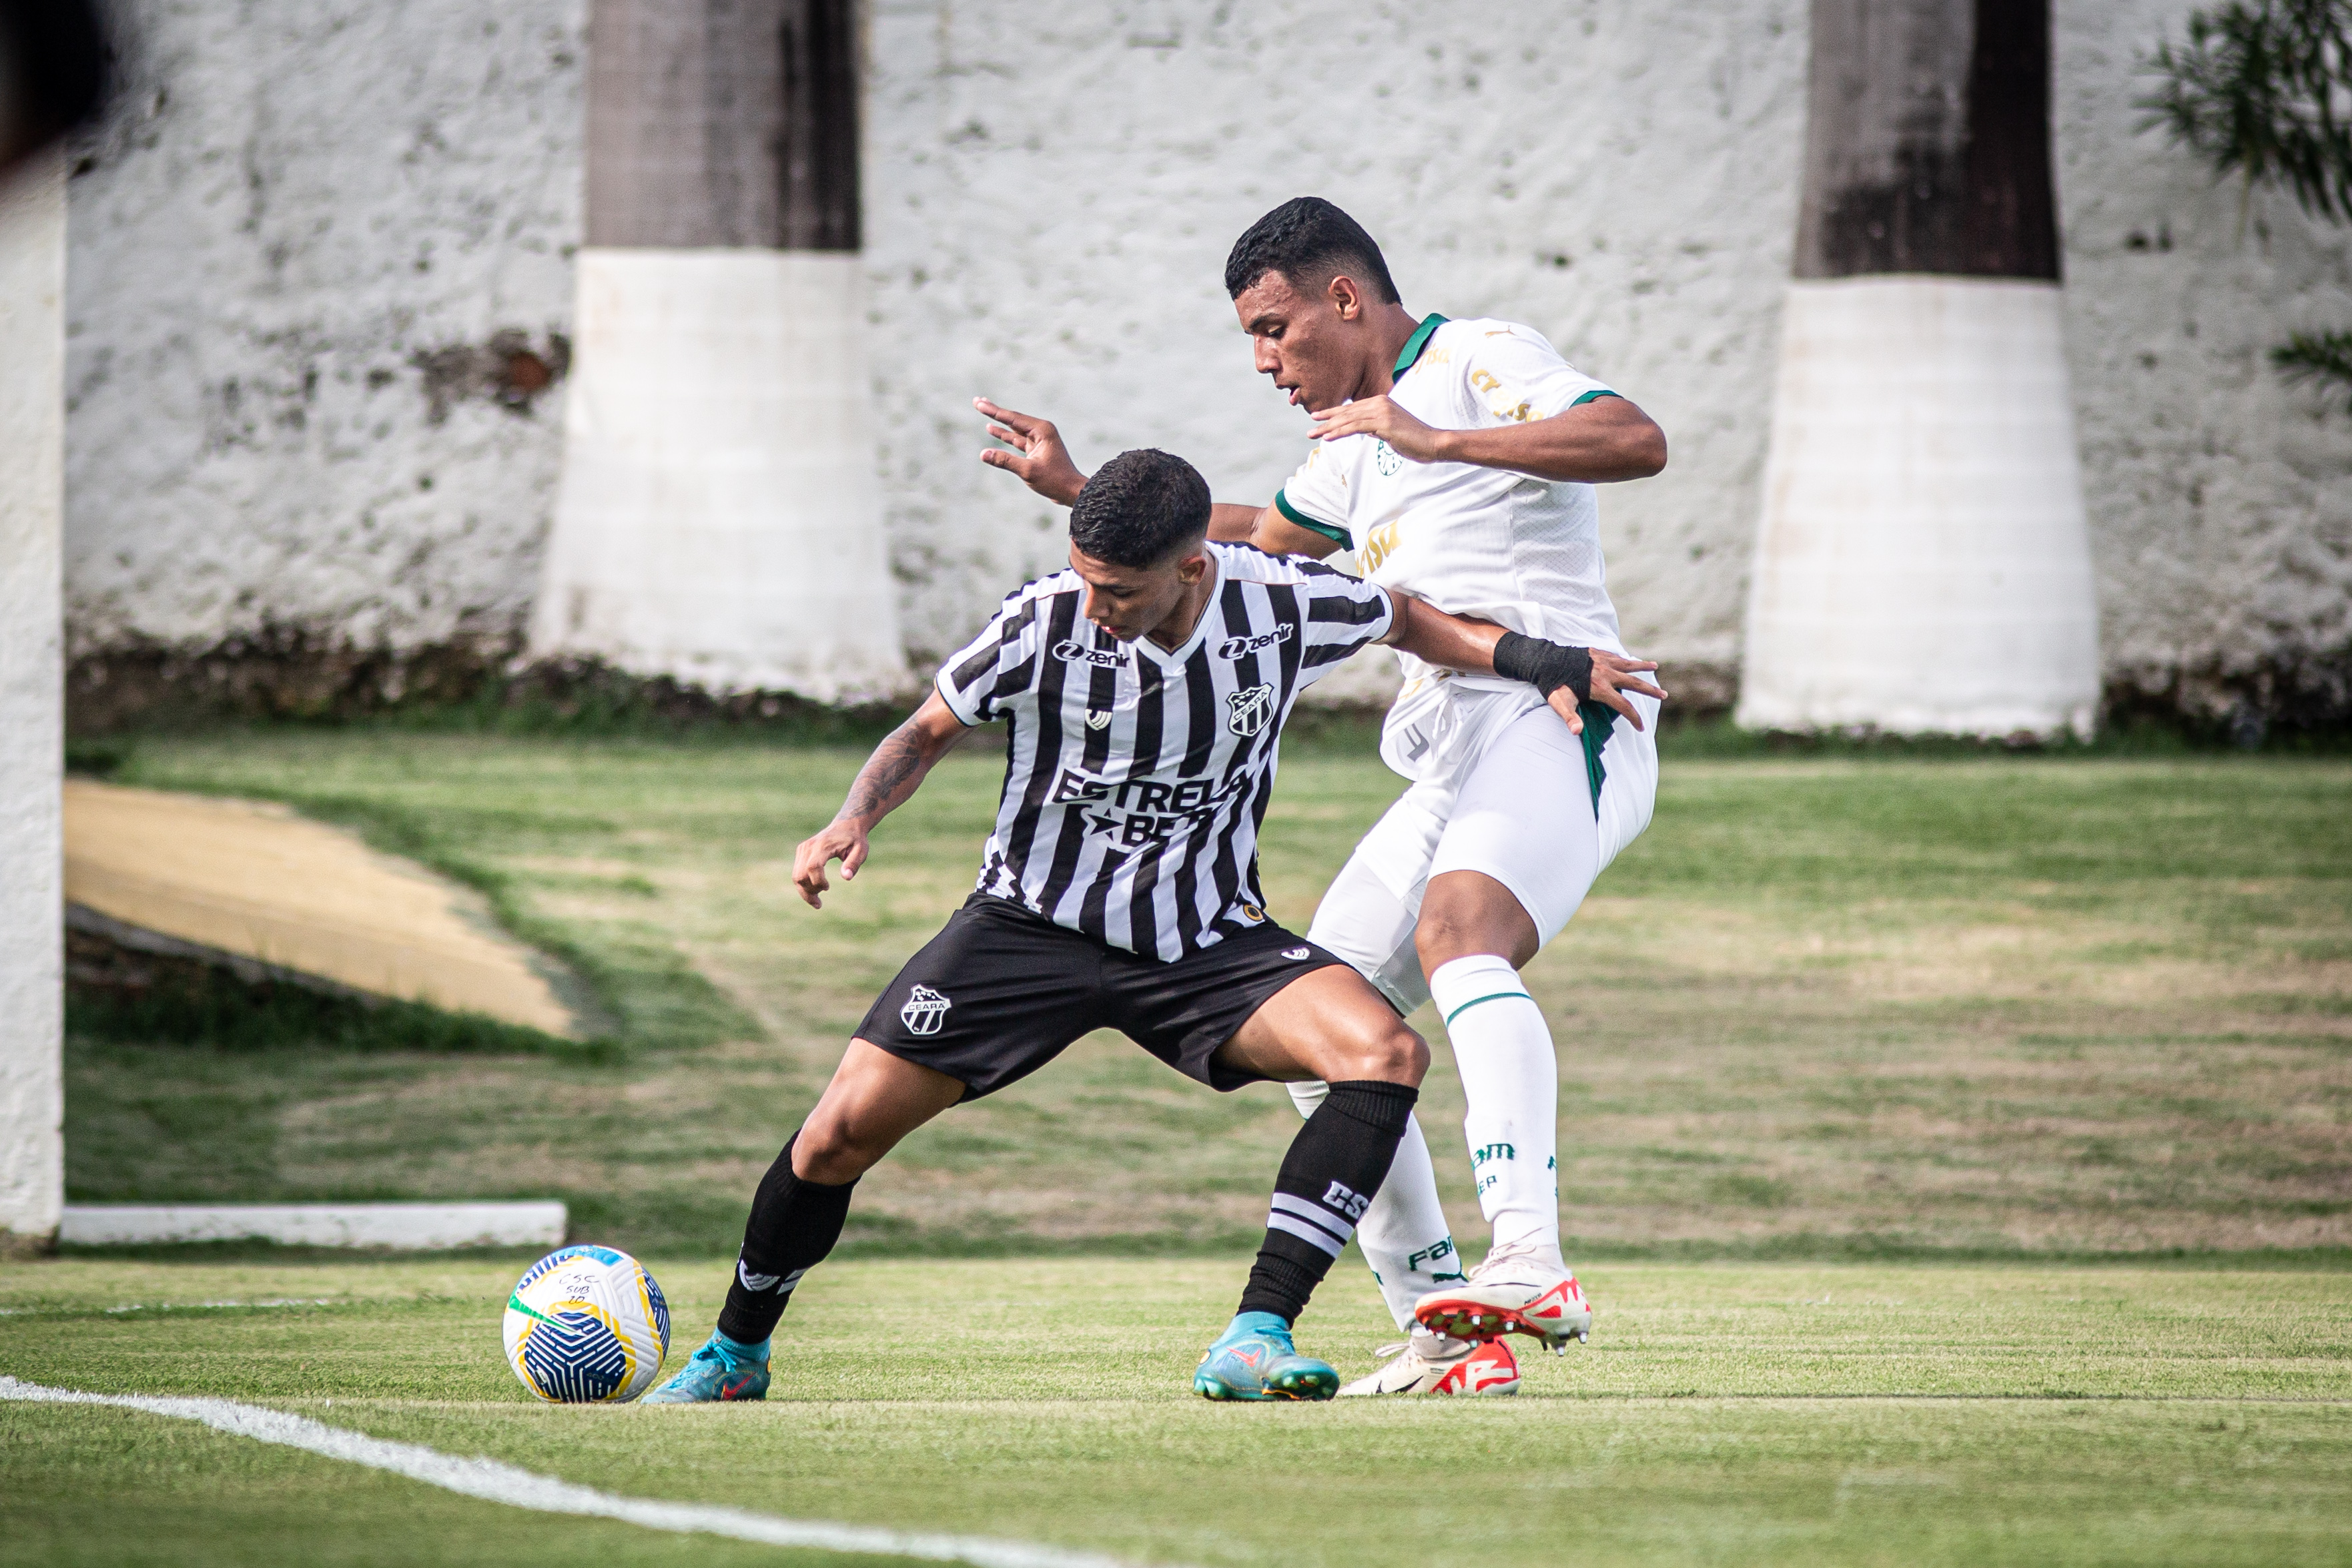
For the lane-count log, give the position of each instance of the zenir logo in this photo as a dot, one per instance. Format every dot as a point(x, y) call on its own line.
point(1070, 652)
point(1234, 648)
point(1250, 709)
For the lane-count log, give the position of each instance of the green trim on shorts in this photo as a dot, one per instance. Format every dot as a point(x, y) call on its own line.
point(1598, 720)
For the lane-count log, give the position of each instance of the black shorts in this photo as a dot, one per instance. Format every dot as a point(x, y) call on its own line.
point(999, 991)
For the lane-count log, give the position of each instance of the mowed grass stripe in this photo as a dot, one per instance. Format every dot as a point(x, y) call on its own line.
point(1773, 1413)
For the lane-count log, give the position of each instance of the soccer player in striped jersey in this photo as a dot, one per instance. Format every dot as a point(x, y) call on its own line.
point(1144, 692)
point(1457, 459)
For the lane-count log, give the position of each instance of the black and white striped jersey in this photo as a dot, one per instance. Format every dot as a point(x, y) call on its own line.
point(1135, 775)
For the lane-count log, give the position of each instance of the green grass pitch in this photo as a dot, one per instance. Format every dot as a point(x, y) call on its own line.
point(1724, 1413)
point(1958, 1153)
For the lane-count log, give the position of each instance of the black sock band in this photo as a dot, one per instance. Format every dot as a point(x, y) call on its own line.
point(1334, 1167)
point(794, 1224)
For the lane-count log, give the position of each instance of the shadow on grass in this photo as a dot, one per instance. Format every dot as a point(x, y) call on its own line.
point(118, 999)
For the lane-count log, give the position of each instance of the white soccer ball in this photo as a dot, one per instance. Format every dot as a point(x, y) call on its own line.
point(587, 1325)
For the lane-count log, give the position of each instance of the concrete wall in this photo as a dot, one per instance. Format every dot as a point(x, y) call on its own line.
point(1051, 191)
point(2220, 496)
point(293, 253)
point(32, 438)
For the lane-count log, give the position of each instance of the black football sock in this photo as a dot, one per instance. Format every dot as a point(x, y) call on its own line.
point(794, 1224)
point(1334, 1165)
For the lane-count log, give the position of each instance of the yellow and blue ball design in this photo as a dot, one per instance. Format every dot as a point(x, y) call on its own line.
point(587, 1325)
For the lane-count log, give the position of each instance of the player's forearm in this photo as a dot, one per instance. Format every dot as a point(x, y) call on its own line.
point(1447, 641)
point(1599, 442)
point(899, 764)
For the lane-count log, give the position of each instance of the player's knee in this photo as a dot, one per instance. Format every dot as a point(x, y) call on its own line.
point(828, 1150)
point(1396, 1055)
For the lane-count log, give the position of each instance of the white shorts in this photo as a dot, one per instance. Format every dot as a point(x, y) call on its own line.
point(1502, 789)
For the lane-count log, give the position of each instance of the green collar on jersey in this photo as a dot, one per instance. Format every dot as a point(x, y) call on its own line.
point(1415, 343)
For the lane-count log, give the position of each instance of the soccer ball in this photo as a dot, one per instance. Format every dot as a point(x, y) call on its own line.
point(587, 1325)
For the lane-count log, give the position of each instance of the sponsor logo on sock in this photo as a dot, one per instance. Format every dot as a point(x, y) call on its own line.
point(1347, 1200)
point(1492, 1151)
point(924, 1011)
point(1414, 1260)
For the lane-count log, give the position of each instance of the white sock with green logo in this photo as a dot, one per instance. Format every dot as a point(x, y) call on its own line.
point(1503, 1050)
point(1403, 1234)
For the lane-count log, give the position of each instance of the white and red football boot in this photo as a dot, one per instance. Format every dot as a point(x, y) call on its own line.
point(1432, 1363)
point(1513, 1291)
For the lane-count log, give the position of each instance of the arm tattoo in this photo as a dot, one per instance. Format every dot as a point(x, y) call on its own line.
point(897, 758)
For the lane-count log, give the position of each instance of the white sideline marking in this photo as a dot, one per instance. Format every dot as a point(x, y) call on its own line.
point(496, 1482)
point(423, 1225)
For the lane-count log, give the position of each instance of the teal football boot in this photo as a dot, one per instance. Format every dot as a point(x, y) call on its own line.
point(723, 1368)
point(1254, 1359)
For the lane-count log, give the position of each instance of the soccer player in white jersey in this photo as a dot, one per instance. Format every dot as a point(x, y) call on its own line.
point(1144, 692)
point(1457, 459)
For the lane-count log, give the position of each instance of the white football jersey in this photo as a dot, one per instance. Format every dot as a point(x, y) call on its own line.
point(1522, 553)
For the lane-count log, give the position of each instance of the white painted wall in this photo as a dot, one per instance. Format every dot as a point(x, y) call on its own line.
point(32, 439)
point(292, 201)
point(1051, 191)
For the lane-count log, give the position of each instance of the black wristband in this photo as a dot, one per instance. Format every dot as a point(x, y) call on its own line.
point(1546, 666)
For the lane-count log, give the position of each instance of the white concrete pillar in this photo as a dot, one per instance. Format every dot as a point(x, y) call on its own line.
point(720, 518)
point(1924, 564)
point(32, 701)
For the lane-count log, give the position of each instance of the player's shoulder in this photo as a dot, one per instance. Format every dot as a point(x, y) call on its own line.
point(1248, 564)
point(1039, 589)
point(1034, 601)
point(1464, 341)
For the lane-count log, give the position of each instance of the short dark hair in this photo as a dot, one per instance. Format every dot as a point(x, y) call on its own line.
point(1139, 508)
point(1310, 242)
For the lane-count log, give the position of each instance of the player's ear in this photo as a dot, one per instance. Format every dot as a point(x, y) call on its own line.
point(1345, 297)
point(1193, 565)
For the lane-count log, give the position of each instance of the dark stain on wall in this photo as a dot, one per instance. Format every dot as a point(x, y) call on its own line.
point(506, 371)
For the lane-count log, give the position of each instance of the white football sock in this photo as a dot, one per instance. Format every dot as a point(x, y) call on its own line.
point(1510, 1076)
point(1403, 1234)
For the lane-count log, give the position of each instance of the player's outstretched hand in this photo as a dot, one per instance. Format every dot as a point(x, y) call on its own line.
point(842, 841)
point(1614, 675)
point(1038, 459)
point(1406, 435)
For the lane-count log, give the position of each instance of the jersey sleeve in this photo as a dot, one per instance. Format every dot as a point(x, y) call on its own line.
point(1315, 497)
point(1514, 376)
point(1343, 614)
point(996, 668)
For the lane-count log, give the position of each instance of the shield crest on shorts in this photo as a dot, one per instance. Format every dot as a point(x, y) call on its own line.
point(924, 1011)
point(1250, 709)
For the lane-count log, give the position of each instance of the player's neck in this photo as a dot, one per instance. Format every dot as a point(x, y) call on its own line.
point(1392, 327)
point(1177, 630)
